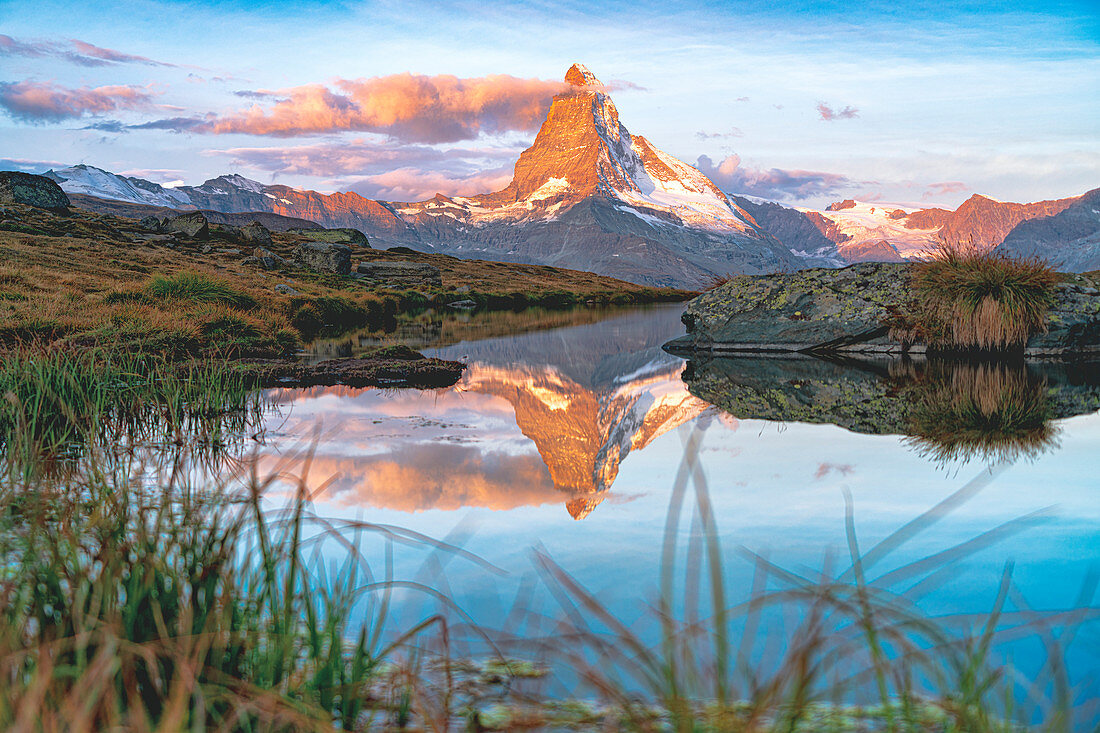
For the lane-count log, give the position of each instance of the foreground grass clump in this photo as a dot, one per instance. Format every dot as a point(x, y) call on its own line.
point(968, 298)
point(198, 288)
point(58, 400)
point(182, 607)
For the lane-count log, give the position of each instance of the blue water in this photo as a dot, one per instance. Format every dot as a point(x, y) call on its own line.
point(570, 441)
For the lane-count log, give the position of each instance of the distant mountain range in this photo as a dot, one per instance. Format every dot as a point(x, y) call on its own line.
point(590, 195)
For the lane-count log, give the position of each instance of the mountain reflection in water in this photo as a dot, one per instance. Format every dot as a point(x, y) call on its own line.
point(584, 396)
point(548, 416)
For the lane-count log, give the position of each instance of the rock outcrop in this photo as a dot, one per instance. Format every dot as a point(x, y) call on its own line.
point(192, 224)
point(255, 233)
point(340, 235)
point(30, 190)
point(324, 257)
point(847, 311)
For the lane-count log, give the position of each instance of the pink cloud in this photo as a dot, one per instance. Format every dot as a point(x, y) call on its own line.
point(411, 184)
point(42, 101)
point(944, 188)
point(366, 157)
point(73, 51)
point(730, 175)
point(828, 114)
point(410, 107)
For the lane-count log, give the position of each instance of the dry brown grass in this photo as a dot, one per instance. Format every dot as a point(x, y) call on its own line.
point(968, 298)
point(88, 278)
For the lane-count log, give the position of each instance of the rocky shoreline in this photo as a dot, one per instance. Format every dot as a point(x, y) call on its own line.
point(391, 366)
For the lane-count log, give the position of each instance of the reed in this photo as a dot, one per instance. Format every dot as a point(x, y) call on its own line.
point(853, 651)
point(60, 403)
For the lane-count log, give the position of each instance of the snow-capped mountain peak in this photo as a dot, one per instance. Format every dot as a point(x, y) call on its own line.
point(579, 76)
point(92, 181)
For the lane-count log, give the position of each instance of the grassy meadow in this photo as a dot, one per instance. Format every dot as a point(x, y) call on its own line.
point(94, 279)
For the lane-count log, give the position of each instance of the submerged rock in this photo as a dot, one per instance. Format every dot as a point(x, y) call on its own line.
point(848, 311)
point(399, 275)
point(17, 187)
point(390, 366)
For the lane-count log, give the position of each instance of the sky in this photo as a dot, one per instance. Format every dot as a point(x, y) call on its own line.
point(801, 102)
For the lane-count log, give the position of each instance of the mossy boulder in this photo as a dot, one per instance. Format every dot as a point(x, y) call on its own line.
point(192, 225)
point(324, 257)
point(850, 311)
point(342, 235)
point(17, 187)
point(397, 275)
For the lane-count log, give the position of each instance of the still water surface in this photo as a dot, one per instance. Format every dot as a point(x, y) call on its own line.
point(570, 439)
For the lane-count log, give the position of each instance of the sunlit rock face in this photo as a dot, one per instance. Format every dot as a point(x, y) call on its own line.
point(1070, 239)
point(590, 195)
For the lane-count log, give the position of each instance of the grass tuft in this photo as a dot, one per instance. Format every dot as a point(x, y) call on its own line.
point(197, 287)
point(965, 298)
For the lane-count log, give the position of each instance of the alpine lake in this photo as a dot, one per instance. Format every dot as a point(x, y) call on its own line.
point(579, 491)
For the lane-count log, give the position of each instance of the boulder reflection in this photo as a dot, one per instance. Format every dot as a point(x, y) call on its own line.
point(949, 410)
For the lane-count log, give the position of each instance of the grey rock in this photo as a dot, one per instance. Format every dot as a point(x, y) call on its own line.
point(267, 259)
point(324, 257)
point(192, 224)
point(284, 289)
point(399, 275)
point(150, 223)
point(17, 187)
point(207, 249)
point(846, 311)
point(463, 304)
point(229, 251)
point(255, 233)
point(462, 289)
point(343, 235)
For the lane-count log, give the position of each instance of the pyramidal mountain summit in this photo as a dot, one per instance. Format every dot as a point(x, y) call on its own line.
point(587, 195)
point(590, 195)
